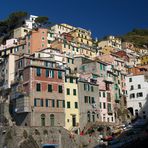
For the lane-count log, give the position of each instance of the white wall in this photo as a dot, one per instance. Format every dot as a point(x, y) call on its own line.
point(134, 102)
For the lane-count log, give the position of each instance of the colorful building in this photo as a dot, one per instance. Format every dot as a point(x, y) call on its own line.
point(71, 102)
point(36, 40)
point(38, 93)
point(144, 59)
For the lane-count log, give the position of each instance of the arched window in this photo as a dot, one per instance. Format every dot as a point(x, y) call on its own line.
point(42, 119)
point(52, 120)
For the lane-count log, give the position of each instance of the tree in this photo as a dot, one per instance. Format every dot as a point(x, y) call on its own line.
point(16, 19)
point(41, 20)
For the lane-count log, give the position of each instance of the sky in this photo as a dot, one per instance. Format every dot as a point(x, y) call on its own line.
point(101, 17)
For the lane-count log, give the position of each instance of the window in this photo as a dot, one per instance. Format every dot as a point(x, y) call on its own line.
point(103, 94)
point(86, 99)
point(72, 61)
point(49, 88)
point(74, 92)
point(68, 60)
point(58, 104)
point(49, 41)
point(132, 87)
point(104, 105)
point(76, 104)
point(108, 97)
point(92, 88)
point(38, 87)
point(139, 86)
point(130, 79)
point(71, 80)
point(104, 67)
point(93, 100)
point(68, 104)
point(140, 104)
point(99, 94)
point(59, 74)
point(85, 86)
point(109, 107)
point(88, 116)
point(41, 103)
point(89, 99)
point(139, 94)
point(53, 103)
point(68, 91)
point(100, 105)
point(47, 72)
point(38, 72)
point(63, 102)
point(35, 102)
point(60, 89)
point(43, 38)
point(132, 96)
point(51, 73)
point(47, 102)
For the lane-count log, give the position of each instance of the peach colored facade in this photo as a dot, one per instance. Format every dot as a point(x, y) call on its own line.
point(37, 40)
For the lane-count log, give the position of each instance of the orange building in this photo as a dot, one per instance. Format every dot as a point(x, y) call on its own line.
point(36, 40)
point(138, 70)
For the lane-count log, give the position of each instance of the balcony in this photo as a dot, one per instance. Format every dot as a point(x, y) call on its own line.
point(22, 105)
point(110, 112)
point(108, 79)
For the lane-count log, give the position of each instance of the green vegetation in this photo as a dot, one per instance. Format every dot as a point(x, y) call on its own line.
point(139, 37)
point(41, 20)
point(14, 20)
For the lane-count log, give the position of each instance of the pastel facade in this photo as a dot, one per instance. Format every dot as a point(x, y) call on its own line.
point(137, 95)
point(30, 21)
point(39, 95)
point(144, 59)
point(88, 102)
point(82, 36)
point(111, 41)
point(7, 71)
point(71, 102)
point(36, 40)
point(20, 32)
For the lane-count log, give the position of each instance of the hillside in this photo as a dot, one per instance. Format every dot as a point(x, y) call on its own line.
point(139, 37)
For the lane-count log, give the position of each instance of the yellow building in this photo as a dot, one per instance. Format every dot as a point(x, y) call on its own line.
point(20, 32)
point(74, 48)
point(82, 36)
point(71, 102)
point(144, 59)
point(107, 50)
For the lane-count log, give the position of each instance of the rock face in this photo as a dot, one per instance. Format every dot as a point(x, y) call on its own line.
point(35, 137)
point(29, 143)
